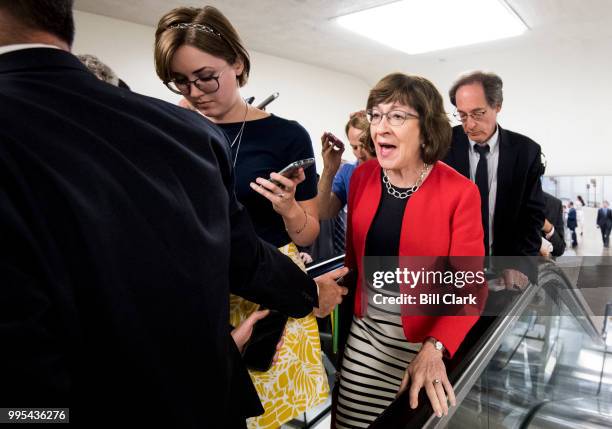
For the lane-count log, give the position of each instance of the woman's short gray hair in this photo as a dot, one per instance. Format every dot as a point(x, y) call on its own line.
point(101, 70)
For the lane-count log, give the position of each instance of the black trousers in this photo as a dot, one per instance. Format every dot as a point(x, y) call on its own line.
point(574, 238)
point(605, 234)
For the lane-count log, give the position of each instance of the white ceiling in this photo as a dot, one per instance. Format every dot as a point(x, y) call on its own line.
point(301, 30)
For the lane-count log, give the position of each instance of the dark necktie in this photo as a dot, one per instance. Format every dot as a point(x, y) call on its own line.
point(482, 181)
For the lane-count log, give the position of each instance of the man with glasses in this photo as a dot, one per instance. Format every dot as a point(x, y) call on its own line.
point(506, 168)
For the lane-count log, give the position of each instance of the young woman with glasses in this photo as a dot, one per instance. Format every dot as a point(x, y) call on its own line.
point(199, 54)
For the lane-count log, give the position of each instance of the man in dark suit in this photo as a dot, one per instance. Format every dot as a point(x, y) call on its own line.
point(572, 223)
point(120, 241)
point(604, 222)
point(505, 166)
point(553, 229)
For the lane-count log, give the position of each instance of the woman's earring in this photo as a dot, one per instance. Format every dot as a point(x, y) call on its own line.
point(423, 145)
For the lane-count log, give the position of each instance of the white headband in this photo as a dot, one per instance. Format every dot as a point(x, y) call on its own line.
point(199, 27)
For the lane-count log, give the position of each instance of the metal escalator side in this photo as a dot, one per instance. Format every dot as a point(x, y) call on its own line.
point(518, 348)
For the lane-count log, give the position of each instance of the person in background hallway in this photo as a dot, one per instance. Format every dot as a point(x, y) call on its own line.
point(506, 168)
point(199, 55)
point(120, 241)
point(579, 205)
point(553, 230)
point(572, 223)
point(604, 222)
point(333, 187)
point(404, 203)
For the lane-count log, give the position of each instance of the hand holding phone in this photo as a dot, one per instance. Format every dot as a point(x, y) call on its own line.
point(347, 280)
point(330, 293)
point(333, 140)
point(267, 333)
point(290, 170)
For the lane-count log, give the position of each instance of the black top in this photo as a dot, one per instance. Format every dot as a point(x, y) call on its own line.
point(269, 145)
point(383, 241)
point(384, 235)
point(120, 242)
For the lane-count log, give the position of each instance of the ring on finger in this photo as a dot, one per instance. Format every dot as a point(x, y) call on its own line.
point(436, 381)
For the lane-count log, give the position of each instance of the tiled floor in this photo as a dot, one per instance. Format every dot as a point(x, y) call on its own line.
point(589, 243)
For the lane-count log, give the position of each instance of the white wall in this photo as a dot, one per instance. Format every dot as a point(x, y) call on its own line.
point(321, 100)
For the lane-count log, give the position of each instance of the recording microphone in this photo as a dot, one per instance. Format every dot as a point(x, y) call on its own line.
point(268, 100)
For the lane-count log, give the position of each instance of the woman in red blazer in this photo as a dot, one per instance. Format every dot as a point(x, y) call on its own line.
point(405, 203)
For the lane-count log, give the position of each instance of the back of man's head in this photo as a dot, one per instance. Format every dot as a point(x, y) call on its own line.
point(22, 20)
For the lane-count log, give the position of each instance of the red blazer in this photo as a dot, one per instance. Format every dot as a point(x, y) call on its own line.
point(441, 219)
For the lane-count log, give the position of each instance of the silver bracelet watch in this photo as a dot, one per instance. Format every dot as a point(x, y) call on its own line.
point(437, 344)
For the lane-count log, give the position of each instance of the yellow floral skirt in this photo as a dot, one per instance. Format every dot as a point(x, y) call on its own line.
point(297, 382)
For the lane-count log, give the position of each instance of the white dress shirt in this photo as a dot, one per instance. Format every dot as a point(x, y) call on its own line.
point(18, 46)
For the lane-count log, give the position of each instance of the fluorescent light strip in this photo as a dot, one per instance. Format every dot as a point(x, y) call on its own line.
point(418, 26)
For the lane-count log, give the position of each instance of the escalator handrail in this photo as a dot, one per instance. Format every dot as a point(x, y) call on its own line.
point(575, 304)
point(325, 266)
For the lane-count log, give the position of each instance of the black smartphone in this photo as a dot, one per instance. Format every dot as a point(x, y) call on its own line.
point(347, 280)
point(261, 347)
point(268, 100)
point(290, 170)
point(332, 139)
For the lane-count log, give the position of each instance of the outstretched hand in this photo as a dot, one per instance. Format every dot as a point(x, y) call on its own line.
point(330, 293)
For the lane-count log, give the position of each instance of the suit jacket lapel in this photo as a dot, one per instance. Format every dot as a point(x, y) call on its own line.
point(505, 167)
point(461, 153)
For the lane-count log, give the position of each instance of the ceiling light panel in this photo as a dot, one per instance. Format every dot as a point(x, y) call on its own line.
point(419, 26)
